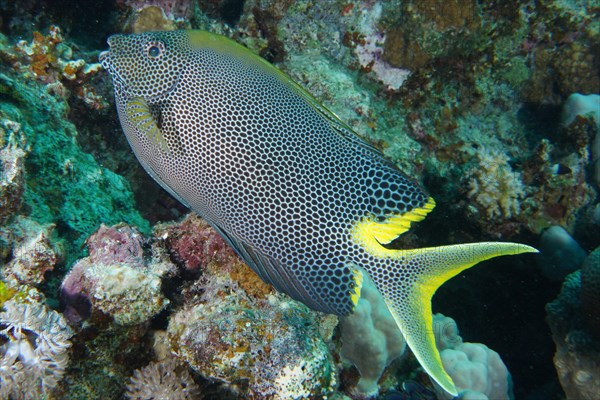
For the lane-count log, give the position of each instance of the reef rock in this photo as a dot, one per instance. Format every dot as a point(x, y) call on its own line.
point(115, 279)
point(577, 348)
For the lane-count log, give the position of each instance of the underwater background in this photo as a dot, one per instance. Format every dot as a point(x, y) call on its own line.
point(111, 289)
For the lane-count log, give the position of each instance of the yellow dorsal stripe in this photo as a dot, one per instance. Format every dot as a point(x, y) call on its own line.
point(371, 234)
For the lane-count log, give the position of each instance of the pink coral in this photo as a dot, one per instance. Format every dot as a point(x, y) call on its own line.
point(115, 279)
point(193, 244)
point(119, 243)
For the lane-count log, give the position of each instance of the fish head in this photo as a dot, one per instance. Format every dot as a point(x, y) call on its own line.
point(146, 65)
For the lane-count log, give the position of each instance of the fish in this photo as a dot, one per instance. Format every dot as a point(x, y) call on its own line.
point(302, 199)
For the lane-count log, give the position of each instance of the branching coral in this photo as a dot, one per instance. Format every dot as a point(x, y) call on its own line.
point(166, 379)
point(34, 350)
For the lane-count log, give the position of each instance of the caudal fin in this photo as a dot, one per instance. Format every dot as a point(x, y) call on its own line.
point(422, 272)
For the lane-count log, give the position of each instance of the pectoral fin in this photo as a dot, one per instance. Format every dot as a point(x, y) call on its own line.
point(139, 114)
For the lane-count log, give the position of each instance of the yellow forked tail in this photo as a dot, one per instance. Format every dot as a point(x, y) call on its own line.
point(408, 293)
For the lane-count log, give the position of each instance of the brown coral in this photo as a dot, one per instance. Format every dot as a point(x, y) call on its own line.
point(11, 181)
point(48, 59)
point(151, 18)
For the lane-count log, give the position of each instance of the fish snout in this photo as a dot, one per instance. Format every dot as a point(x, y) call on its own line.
point(103, 58)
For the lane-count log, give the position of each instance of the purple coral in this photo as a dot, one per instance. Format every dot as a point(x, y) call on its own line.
point(115, 279)
point(117, 244)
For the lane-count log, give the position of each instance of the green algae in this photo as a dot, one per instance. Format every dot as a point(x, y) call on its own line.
point(64, 185)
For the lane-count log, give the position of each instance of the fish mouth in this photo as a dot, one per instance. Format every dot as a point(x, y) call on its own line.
point(103, 58)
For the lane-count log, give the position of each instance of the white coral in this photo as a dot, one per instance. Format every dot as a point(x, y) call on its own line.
point(166, 379)
point(494, 186)
point(131, 294)
point(34, 357)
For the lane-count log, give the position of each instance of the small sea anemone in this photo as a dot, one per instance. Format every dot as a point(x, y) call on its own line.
point(166, 379)
point(34, 350)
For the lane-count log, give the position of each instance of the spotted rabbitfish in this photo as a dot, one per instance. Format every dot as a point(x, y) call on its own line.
point(307, 204)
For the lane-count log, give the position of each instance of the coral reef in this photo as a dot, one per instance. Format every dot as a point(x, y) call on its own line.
point(48, 58)
point(463, 96)
point(369, 50)
point(494, 186)
point(261, 348)
point(34, 351)
point(174, 9)
point(195, 246)
point(115, 279)
point(477, 371)
point(578, 105)
point(165, 379)
point(370, 339)
point(11, 177)
point(577, 349)
point(31, 257)
point(64, 185)
point(590, 292)
point(150, 18)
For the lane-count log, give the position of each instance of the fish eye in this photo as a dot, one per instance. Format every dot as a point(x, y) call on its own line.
point(155, 49)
